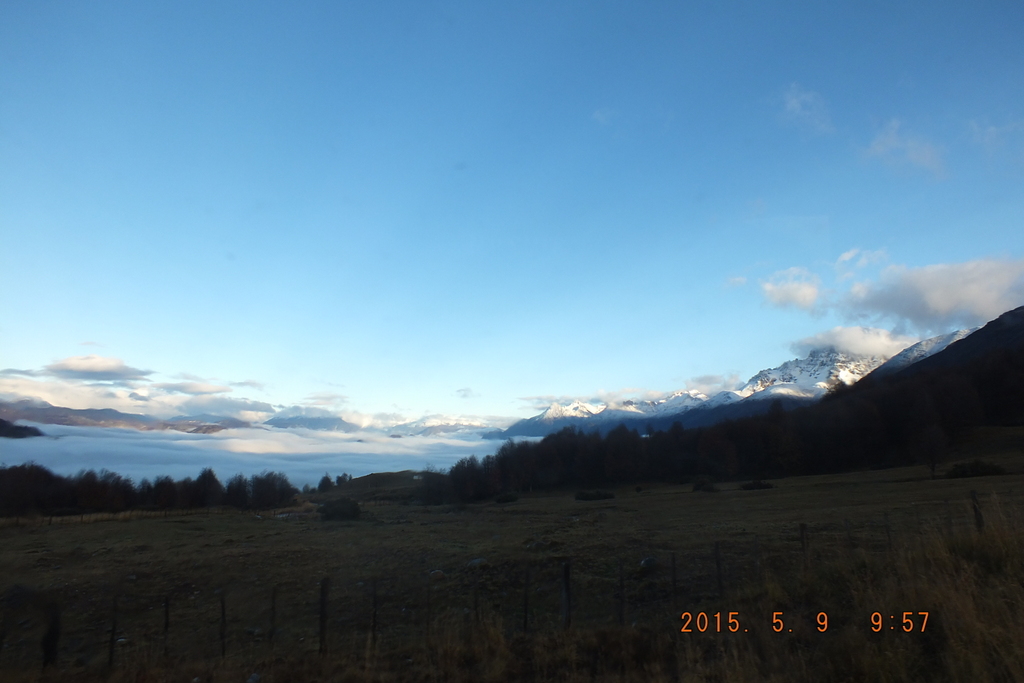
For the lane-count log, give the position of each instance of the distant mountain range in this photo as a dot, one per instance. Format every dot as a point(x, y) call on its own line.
point(323, 424)
point(45, 413)
point(795, 383)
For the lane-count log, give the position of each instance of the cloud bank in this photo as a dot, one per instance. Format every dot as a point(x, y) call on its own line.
point(860, 341)
point(938, 298)
point(303, 455)
point(95, 369)
point(926, 300)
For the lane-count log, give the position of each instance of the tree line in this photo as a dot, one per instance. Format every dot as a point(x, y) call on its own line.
point(33, 489)
point(903, 419)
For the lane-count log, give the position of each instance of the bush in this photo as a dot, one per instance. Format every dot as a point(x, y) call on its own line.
point(975, 468)
point(339, 508)
point(594, 495)
point(756, 485)
point(704, 484)
point(507, 498)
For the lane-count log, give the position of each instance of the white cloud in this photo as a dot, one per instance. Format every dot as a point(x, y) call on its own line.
point(806, 108)
point(855, 259)
point(153, 400)
point(737, 281)
point(709, 385)
point(866, 341)
point(860, 258)
point(326, 398)
point(898, 148)
point(238, 408)
point(466, 392)
point(79, 395)
point(993, 137)
point(940, 297)
point(792, 287)
point(195, 388)
point(251, 383)
point(14, 372)
point(94, 368)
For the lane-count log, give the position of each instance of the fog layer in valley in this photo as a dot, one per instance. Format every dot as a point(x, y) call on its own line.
point(303, 455)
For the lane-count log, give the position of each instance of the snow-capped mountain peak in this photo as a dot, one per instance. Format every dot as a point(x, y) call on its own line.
point(577, 408)
point(812, 376)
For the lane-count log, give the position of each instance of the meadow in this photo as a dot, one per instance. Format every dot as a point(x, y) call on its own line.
point(476, 592)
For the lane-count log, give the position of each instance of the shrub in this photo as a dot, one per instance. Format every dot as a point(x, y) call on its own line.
point(756, 485)
point(507, 498)
point(339, 508)
point(975, 468)
point(704, 484)
point(594, 495)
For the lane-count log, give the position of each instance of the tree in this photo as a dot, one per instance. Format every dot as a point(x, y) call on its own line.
point(326, 483)
point(237, 492)
point(209, 490)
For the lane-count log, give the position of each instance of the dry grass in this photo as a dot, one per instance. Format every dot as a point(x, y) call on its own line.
point(468, 626)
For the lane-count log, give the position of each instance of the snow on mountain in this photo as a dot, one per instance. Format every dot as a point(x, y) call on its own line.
point(801, 378)
point(676, 402)
point(920, 351)
point(810, 377)
point(575, 409)
point(441, 424)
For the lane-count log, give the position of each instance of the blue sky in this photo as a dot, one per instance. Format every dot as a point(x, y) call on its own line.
point(396, 209)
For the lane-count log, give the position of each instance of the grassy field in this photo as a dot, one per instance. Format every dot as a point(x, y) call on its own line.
point(890, 541)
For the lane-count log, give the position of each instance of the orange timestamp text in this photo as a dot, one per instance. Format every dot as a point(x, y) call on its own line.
point(730, 622)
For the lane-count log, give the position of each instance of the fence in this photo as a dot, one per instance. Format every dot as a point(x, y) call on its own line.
point(317, 616)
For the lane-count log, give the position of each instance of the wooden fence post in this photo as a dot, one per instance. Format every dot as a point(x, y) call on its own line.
point(526, 601)
point(566, 594)
point(622, 596)
point(718, 569)
point(979, 521)
point(273, 615)
point(167, 621)
point(325, 585)
point(430, 589)
point(113, 634)
point(757, 556)
point(223, 626)
point(51, 639)
point(673, 576)
point(373, 619)
point(888, 530)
